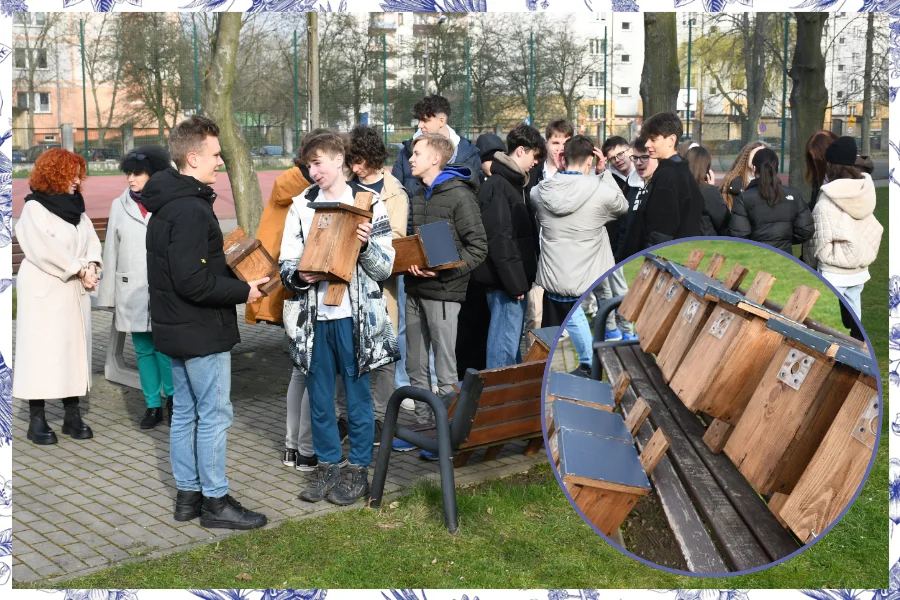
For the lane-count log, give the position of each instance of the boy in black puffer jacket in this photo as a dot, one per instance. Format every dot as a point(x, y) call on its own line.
point(433, 298)
point(511, 264)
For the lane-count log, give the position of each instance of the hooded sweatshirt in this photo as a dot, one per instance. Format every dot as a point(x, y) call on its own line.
point(451, 198)
point(511, 263)
point(847, 234)
point(572, 211)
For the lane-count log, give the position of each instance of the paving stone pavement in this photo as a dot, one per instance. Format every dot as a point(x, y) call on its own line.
point(81, 506)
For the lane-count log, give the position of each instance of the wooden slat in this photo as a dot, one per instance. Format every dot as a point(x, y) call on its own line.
point(694, 258)
point(522, 372)
point(776, 503)
point(638, 292)
point(836, 470)
point(772, 536)
point(801, 303)
point(511, 392)
point(737, 541)
point(507, 412)
point(716, 435)
point(694, 540)
point(715, 265)
point(605, 485)
point(637, 415)
point(504, 431)
point(761, 286)
point(683, 334)
point(654, 451)
point(623, 380)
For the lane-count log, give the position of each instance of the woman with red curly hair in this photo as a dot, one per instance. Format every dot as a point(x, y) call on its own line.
point(61, 267)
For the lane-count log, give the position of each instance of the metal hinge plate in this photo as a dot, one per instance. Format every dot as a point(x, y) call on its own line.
point(794, 369)
point(673, 287)
point(721, 323)
point(324, 221)
point(660, 282)
point(645, 272)
point(866, 428)
point(690, 309)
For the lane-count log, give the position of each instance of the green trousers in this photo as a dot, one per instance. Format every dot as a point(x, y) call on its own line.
point(155, 369)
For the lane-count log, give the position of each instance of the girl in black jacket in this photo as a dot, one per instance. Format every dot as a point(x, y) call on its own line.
point(769, 212)
point(714, 220)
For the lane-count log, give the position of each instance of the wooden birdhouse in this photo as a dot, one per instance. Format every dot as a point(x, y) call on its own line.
point(432, 249)
point(249, 260)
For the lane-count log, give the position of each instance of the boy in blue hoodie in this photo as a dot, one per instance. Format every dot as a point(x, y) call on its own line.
point(433, 299)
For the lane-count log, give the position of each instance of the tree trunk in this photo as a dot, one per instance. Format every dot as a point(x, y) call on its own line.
point(867, 89)
point(660, 77)
point(755, 62)
point(235, 151)
point(809, 97)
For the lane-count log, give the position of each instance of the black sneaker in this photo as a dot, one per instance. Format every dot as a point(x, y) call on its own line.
point(152, 418)
point(379, 427)
point(306, 463)
point(187, 505)
point(353, 487)
point(328, 475)
point(227, 513)
point(343, 429)
point(289, 457)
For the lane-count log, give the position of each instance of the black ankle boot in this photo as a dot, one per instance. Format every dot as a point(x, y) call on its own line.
point(72, 423)
point(227, 513)
point(187, 505)
point(38, 430)
point(169, 411)
point(152, 418)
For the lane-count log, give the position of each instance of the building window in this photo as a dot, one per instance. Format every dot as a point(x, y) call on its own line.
point(841, 40)
point(41, 102)
point(840, 95)
point(626, 58)
point(399, 42)
point(714, 29)
point(37, 19)
point(854, 86)
point(712, 90)
point(20, 60)
point(853, 110)
point(597, 111)
point(624, 91)
point(22, 100)
point(596, 46)
point(626, 25)
point(855, 57)
point(399, 18)
point(840, 68)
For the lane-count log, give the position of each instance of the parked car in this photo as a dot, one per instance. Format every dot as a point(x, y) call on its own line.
point(18, 157)
point(101, 154)
point(34, 152)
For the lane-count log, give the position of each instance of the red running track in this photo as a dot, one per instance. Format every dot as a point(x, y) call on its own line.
point(101, 190)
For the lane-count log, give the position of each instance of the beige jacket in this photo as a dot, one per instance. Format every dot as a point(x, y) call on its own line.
point(847, 233)
point(396, 200)
point(53, 327)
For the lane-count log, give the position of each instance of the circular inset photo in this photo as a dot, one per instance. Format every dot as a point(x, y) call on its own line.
point(722, 418)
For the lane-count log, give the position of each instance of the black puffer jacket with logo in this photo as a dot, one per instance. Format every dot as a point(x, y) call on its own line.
point(786, 223)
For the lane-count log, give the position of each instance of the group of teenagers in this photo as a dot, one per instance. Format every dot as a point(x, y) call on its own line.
point(536, 220)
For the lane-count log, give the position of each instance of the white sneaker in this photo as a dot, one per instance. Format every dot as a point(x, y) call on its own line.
point(408, 404)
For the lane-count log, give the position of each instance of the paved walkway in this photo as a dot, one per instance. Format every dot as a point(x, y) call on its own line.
point(85, 506)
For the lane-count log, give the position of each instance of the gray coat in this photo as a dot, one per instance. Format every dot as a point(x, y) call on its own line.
point(124, 283)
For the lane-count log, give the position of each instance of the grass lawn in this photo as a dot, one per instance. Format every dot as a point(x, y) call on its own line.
point(521, 532)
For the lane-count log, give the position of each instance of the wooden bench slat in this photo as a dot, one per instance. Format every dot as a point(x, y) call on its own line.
point(694, 540)
point(507, 412)
point(504, 431)
point(737, 541)
point(772, 536)
point(510, 392)
point(513, 374)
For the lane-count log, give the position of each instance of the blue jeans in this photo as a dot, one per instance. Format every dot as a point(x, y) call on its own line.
point(333, 354)
point(853, 296)
point(400, 376)
point(581, 336)
point(201, 416)
point(505, 331)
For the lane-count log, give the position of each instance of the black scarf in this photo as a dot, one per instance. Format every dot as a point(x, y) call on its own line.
point(68, 207)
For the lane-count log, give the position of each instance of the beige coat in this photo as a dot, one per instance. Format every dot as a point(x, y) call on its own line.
point(396, 201)
point(847, 234)
point(53, 334)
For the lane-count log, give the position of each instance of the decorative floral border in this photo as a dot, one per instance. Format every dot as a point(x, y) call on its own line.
point(7, 7)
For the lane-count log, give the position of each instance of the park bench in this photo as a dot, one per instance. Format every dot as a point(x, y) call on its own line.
point(114, 369)
point(732, 510)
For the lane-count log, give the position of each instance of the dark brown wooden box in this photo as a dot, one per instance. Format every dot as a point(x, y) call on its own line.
point(249, 260)
point(410, 250)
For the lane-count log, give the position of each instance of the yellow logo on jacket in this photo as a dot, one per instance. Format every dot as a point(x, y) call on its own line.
point(203, 260)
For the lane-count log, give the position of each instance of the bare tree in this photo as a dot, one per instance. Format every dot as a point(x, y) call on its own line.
point(660, 78)
point(568, 65)
point(219, 93)
point(31, 57)
point(516, 58)
point(809, 97)
point(867, 88)
point(103, 64)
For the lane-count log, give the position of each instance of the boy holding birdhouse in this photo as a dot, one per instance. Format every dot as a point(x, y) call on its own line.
point(349, 339)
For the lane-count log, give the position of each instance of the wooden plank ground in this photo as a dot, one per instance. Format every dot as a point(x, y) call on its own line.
point(771, 535)
point(740, 546)
point(697, 546)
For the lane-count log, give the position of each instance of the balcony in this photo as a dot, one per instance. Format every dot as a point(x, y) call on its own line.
point(378, 26)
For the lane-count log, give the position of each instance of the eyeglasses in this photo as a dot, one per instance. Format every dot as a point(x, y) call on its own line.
point(137, 156)
point(640, 158)
point(620, 155)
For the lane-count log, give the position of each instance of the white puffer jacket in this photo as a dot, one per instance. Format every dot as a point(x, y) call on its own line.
point(847, 233)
